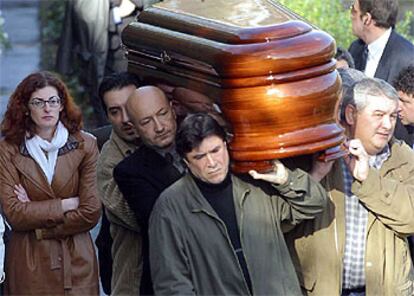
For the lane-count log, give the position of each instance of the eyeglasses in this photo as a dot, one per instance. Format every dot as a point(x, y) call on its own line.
point(53, 102)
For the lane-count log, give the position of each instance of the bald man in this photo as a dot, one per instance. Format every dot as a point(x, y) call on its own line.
point(142, 176)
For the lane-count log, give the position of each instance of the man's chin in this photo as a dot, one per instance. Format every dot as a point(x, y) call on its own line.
point(218, 179)
point(377, 148)
point(129, 138)
point(164, 144)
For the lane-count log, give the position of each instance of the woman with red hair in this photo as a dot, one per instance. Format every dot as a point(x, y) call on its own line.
point(48, 191)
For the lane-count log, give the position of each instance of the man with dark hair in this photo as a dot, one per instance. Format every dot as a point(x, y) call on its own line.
point(379, 51)
point(124, 230)
point(213, 234)
point(144, 174)
point(358, 246)
point(404, 84)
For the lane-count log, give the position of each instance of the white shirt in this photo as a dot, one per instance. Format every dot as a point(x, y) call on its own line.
point(375, 50)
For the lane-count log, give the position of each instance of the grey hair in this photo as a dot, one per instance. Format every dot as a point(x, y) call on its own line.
point(358, 94)
point(349, 77)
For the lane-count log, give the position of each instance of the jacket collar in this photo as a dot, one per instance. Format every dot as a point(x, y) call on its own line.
point(156, 167)
point(200, 204)
point(32, 171)
point(384, 64)
point(124, 147)
point(393, 160)
point(72, 143)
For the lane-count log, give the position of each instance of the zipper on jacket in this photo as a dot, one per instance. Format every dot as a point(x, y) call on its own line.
point(231, 247)
point(241, 244)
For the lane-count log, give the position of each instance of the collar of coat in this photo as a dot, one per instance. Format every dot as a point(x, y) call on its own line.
point(124, 147)
point(392, 162)
point(73, 142)
point(66, 163)
point(200, 204)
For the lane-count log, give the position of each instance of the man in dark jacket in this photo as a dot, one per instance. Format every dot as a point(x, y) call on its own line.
point(213, 234)
point(404, 84)
point(379, 51)
point(142, 176)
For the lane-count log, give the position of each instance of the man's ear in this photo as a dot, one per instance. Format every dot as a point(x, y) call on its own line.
point(185, 161)
point(367, 19)
point(173, 108)
point(350, 114)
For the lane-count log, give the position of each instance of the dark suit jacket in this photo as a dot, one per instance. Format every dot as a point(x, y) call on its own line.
point(398, 54)
point(405, 133)
point(141, 177)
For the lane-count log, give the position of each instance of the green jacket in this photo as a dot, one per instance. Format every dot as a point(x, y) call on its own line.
point(317, 246)
point(191, 252)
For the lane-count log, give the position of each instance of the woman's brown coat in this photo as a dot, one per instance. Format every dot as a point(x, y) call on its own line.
point(51, 252)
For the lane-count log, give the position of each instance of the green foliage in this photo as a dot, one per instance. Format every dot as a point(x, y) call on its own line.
point(328, 15)
point(404, 26)
point(333, 16)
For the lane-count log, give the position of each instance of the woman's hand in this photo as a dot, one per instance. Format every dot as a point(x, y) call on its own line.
point(278, 176)
point(70, 204)
point(21, 193)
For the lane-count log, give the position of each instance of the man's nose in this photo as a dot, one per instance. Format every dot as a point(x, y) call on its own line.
point(158, 126)
point(125, 117)
point(210, 161)
point(386, 122)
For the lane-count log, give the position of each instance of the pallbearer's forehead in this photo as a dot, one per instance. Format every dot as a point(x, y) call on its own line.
point(380, 103)
point(207, 145)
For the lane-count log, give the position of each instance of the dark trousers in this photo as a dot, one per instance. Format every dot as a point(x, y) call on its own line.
point(353, 292)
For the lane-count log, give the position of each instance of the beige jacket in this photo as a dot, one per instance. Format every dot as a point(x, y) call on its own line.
point(125, 232)
point(317, 246)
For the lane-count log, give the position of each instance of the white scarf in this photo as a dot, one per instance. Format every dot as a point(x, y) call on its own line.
point(38, 146)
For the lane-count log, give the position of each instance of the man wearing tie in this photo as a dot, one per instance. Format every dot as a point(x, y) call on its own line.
point(379, 51)
point(404, 85)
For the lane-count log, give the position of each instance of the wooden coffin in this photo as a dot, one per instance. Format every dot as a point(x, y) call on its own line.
point(272, 75)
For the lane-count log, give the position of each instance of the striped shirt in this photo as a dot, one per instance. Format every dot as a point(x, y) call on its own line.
point(356, 219)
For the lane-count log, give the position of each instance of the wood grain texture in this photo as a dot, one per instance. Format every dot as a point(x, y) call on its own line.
point(271, 74)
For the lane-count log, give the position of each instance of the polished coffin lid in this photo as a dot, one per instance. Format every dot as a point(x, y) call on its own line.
point(271, 73)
